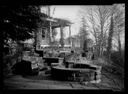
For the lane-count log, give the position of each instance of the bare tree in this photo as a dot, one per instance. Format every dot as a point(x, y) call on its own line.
point(98, 17)
point(117, 21)
point(119, 25)
point(111, 31)
point(105, 23)
point(104, 14)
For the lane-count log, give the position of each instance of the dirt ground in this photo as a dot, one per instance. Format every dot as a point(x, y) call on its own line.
point(43, 81)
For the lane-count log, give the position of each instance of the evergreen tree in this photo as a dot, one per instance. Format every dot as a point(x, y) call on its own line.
point(19, 22)
point(83, 34)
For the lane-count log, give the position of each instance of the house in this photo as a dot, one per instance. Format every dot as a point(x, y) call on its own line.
point(53, 24)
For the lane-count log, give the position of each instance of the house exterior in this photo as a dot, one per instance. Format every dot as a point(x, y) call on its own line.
point(53, 24)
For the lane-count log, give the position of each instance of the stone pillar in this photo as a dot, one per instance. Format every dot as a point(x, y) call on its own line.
point(45, 30)
point(97, 78)
point(38, 38)
point(70, 35)
point(50, 32)
point(61, 61)
point(61, 36)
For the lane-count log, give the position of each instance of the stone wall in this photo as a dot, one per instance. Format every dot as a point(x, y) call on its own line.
point(72, 74)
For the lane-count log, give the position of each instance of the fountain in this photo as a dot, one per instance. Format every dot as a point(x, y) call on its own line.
point(79, 70)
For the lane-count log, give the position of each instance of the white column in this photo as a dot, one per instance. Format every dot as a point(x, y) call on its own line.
point(70, 35)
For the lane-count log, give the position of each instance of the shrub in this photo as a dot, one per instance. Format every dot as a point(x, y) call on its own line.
point(117, 58)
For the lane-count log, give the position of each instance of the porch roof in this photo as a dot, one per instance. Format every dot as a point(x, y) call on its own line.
point(57, 22)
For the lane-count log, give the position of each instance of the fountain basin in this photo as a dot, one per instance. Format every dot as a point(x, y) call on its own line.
point(75, 74)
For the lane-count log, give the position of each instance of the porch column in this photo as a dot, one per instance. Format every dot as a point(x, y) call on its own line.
point(61, 36)
point(38, 38)
point(69, 34)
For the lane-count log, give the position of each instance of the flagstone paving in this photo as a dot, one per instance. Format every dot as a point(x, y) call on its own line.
point(42, 81)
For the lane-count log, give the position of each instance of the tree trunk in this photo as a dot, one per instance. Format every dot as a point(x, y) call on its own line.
point(119, 45)
point(101, 35)
point(111, 31)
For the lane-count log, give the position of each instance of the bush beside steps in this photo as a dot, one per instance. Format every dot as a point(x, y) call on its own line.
point(24, 68)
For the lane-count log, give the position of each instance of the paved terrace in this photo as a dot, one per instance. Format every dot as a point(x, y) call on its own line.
point(43, 81)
